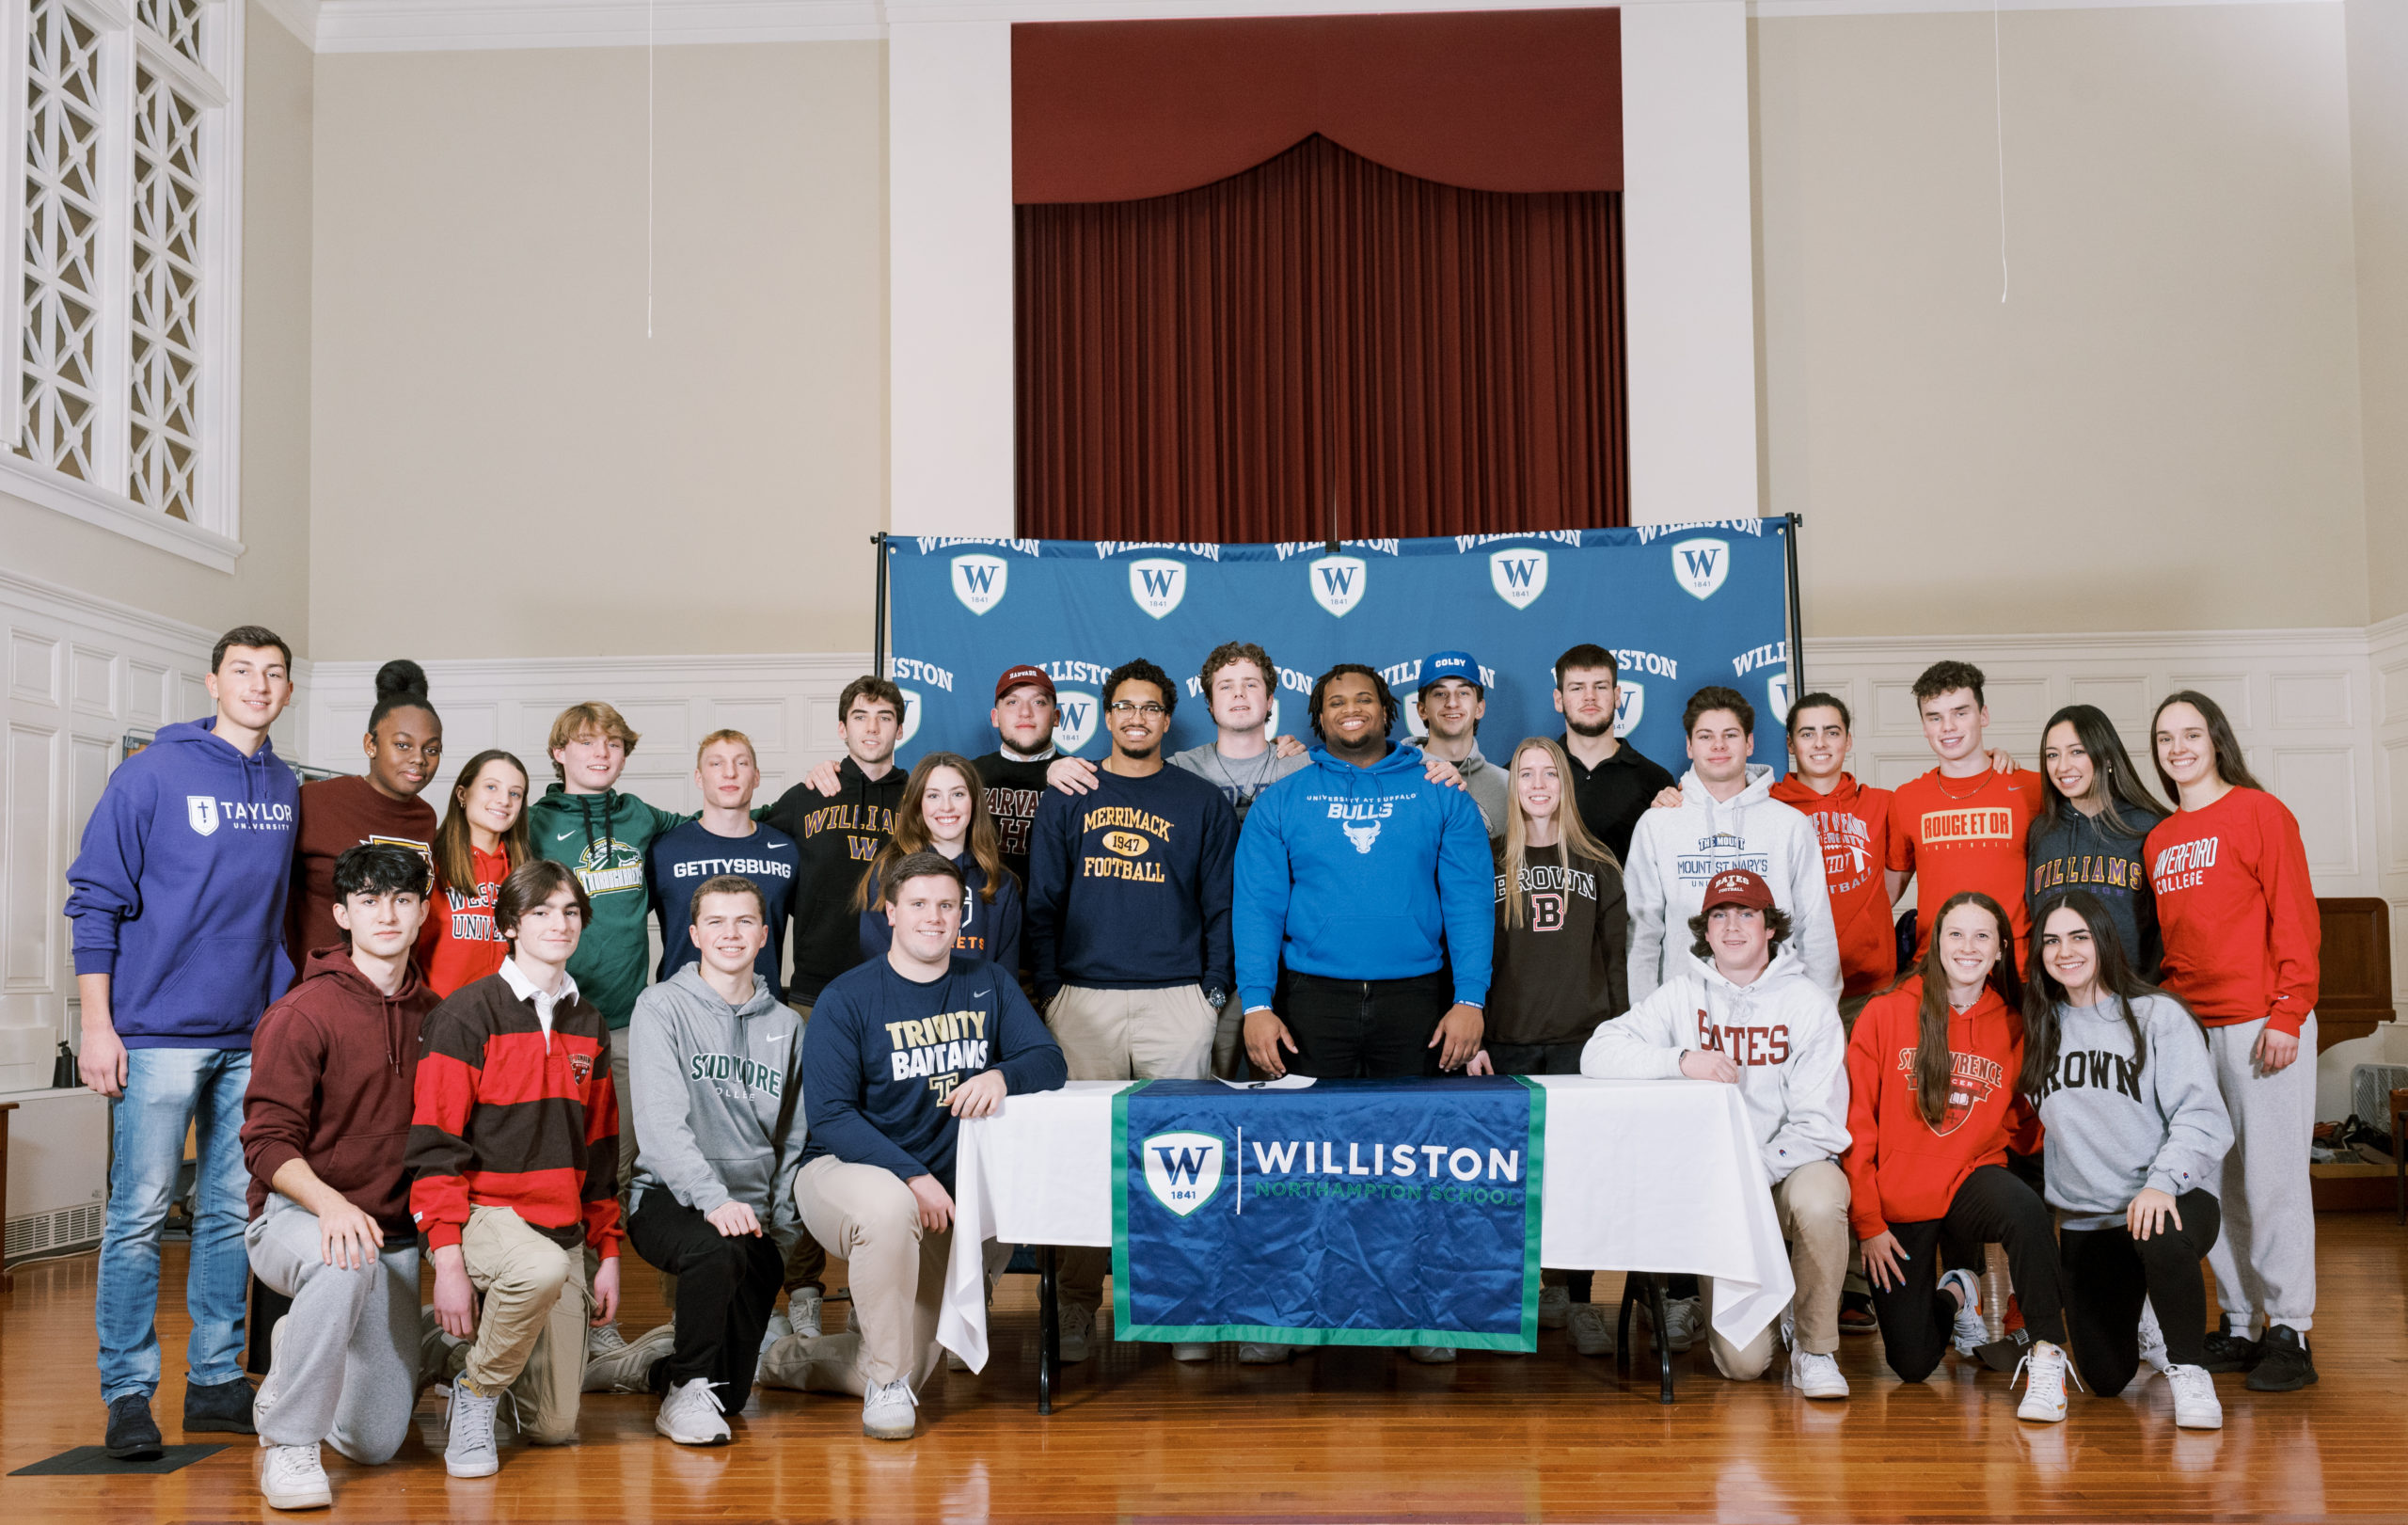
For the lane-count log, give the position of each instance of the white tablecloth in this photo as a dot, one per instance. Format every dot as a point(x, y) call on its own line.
point(1641, 1175)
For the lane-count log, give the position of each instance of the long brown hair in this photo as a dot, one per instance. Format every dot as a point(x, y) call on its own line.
point(912, 833)
point(1933, 1074)
point(455, 861)
point(2112, 776)
point(2231, 764)
point(2044, 995)
point(1572, 837)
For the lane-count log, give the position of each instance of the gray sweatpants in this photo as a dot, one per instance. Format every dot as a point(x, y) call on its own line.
point(346, 1357)
point(2265, 1258)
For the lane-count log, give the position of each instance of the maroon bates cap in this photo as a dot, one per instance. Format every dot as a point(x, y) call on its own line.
point(1738, 886)
point(1023, 674)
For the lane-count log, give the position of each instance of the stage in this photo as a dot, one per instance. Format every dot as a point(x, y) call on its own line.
point(1347, 1433)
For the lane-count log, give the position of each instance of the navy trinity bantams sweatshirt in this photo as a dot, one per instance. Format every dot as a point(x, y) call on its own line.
point(883, 1054)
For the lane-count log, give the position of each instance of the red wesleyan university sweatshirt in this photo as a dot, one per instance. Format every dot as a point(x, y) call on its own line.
point(1900, 1168)
point(2237, 911)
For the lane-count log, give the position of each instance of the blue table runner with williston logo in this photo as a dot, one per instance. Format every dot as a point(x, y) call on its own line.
point(1348, 1213)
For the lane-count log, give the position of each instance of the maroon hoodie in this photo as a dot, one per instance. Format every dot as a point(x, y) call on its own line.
point(332, 1068)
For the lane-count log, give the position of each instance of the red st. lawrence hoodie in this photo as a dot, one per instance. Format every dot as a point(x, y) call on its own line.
point(1852, 822)
point(1902, 1169)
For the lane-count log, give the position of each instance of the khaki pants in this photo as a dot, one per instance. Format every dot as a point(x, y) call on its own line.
point(619, 1042)
point(807, 1262)
point(1127, 1034)
point(1812, 1204)
point(869, 1217)
point(530, 1329)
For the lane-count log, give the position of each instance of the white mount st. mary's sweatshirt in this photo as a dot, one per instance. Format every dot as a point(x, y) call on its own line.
point(1783, 1033)
point(1675, 852)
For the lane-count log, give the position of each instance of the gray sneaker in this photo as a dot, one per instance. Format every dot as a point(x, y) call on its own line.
point(1191, 1350)
point(1429, 1355)
point(628, 1368)
point(888, 1412)
point(803, 1311)
point(1262, 1352)
point(1078, 1329)
point(468, 1450)
point(1555, 1306)
point(1592, 1329)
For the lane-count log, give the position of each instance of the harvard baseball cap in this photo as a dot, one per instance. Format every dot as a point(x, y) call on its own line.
point(1023, 674)
point(1451, 665)
point(1738, 886)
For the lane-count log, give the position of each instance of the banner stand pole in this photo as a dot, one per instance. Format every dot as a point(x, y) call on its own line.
point(878, 626)
point(1797, 611)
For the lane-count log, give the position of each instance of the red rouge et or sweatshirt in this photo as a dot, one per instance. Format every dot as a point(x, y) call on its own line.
point(2237, 911)
point(1902, 1168)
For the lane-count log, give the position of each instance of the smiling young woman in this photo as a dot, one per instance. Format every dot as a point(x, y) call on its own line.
point(403, 746)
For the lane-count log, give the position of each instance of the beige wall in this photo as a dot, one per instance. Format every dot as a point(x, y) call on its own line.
point(2159, 429)
point(270, 585)
point(2378, 39)
point(484, 391)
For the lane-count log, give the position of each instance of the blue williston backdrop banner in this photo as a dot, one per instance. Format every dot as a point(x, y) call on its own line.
point(1348, 1213)
point(1680, 606)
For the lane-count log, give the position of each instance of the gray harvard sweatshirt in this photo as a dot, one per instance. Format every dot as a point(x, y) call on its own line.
point(708, 1081)
point(2113, 1127)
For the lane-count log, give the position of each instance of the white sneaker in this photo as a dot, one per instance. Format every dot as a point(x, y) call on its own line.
point(1191, 1350)
point(1971, 1333)
point(603, 1340)
point(1680, 1322)
point(690, 1414)
point(1555, 1306)
point(291, 1477)
point(1816, 1377)
point(2044, 1391)
point(803, 1311)
point(1262, 1352)
point(468, 1449)
point(1592, 1329)
point(1429, 1355)
point(628, 1368)
point(1789, 1327)
point(781, 1328)
point(2195, 1405)
point(889, 1411)
point(1077, 1328)
point(2153, 1354)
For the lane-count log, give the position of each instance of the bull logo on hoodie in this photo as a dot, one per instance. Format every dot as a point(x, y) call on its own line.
point(1971, 1080)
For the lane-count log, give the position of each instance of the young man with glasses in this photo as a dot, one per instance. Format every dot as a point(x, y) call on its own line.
point(1128, 928)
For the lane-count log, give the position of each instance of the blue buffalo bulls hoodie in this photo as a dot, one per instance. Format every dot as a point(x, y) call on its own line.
point(178, 891)
point(1363, 873)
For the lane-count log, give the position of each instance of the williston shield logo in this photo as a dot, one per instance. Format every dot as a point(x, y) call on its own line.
point(1157, 584)
point(201, 810)
point(978, 582)
point(1630, 708)
point(1700, 564)
point(1777, 696)
point(1518, 574)
point(1183, 1169)
point(1074, 718)
point(1338, 583)
point(911, 716)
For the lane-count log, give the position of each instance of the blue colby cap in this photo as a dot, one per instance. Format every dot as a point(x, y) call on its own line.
point(1451, 665)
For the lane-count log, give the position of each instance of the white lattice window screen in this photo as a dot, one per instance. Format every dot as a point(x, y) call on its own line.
point(123, 252)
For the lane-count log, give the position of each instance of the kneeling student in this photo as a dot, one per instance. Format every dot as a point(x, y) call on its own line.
point(324, 1125)
point(717, 1080)
point(514, 1142)
point(899, 1049)
point(2136, 1138)
point(1746, 1014)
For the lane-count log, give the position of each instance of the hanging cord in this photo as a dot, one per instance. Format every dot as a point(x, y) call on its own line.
point(1998, 108)
point(648, 47)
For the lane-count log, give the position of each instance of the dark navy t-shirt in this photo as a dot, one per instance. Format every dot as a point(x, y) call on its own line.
point(682, 859)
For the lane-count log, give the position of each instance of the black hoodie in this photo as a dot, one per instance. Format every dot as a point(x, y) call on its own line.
point(839, 836)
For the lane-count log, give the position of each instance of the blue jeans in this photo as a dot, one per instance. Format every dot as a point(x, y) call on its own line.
point(168, 1089)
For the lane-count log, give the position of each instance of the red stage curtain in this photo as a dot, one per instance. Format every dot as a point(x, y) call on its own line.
point(1321, 345)
point(1490, 100)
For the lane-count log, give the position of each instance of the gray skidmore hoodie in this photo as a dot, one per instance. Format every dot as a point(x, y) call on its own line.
point(708, 1081)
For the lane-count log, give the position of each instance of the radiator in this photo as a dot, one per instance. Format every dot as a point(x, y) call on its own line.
point(2370, 1088)
point(59, 1163)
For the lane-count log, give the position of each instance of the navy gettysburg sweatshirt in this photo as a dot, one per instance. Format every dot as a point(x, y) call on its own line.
point(881, 1054)
point(178, 892)
point(1363, 873)
point(1129, 886)
point(681, 861)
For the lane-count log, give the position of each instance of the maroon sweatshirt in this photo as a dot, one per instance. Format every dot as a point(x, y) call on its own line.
point(333, 1065)
point(336, 814)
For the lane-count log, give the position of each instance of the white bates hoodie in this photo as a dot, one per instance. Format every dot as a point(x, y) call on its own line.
point(1783, 1033)
point(1675, 852)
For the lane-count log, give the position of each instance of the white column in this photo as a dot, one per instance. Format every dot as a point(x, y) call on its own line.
point(1689, 255)
point(949, 276)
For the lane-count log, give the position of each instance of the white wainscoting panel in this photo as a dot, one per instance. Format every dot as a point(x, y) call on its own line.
point(2387, 663)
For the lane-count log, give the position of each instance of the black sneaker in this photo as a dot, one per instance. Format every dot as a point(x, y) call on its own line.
point(2282, 1362)
point(132, 1435)
point(2230, 1352)
point(225, 1406)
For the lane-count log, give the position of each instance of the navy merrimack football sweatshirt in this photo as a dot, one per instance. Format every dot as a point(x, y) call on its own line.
point(882, 1054)
point(1129, 886)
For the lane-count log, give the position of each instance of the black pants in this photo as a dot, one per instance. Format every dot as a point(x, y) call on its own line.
point(1536, 1059)
point(1365, 1030)
point(2107, 1274)
point(726, 1289)
point(1991, 1207)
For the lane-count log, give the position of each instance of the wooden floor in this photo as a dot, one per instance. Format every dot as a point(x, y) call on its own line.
point(1345, 1434)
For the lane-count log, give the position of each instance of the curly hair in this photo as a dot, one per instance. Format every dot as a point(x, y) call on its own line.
point(1389, 708)
point(1776, 918)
